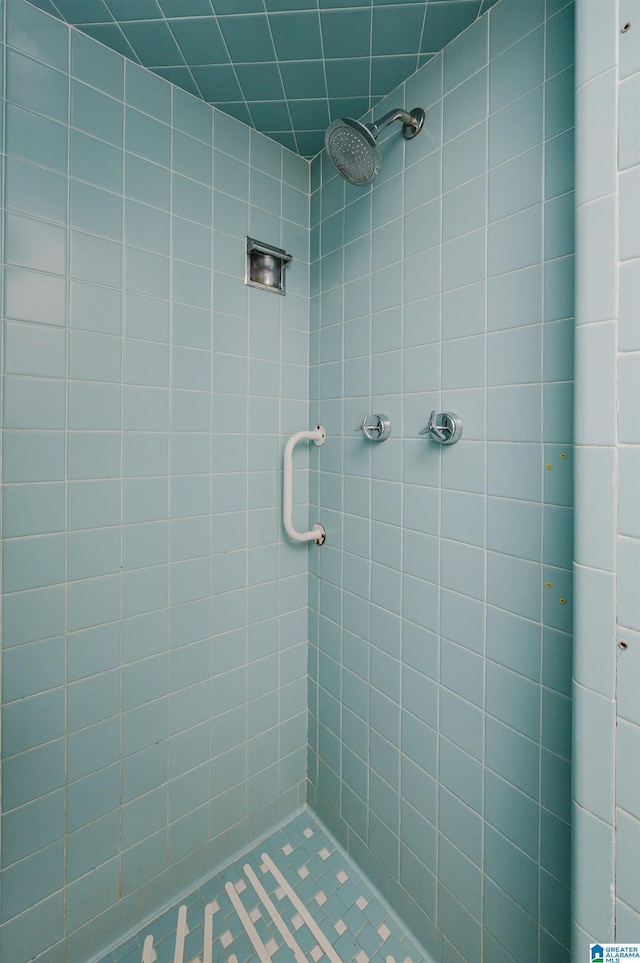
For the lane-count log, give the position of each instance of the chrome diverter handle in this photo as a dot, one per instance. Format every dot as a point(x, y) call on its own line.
point(445, 428)
point(375, 427)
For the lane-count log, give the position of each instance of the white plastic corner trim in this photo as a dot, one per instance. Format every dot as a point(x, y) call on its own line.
point(317, 534)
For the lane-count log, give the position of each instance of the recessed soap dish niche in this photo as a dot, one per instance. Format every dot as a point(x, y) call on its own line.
point(264, 266)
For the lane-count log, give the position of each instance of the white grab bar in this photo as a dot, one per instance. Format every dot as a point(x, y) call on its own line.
point(317, 534)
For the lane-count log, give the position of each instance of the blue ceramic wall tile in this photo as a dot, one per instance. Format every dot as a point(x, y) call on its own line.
point(516, 71)
point(97, 65)
point(467, 55)
point(191, 116)
point(147, 182)
point(559, 103)
point(94, 406)
point(33, 562)
point(94, 601)
point(147, 92)
point(33, 190)
point(95, 357)
point(94, 211)
point(512, 927)
point(95, 161)
point(192, 157)
point(35, 244)
point(36, 138)
point(95, 308)
point(514, 528)
point(33, 457)
point(33, 509)
point(171, 389)
point(514, 585)
point(26, 666)
point(191, 199)
point(517, 127)
point(508, 26)
point(38, 87)
point(515, 242)
point(95, 259)
point(40, 874)
point(146, 273)
point(466, 106)
point(31, 296)
point(513, 471)
point(93, 504)
point(626, 920)
point(94, 113)
point(43, 38)
point(93, 553)
point(464, 208)
point(461, 158)
point(146, 227)
point(511, 755)
point(19, 838)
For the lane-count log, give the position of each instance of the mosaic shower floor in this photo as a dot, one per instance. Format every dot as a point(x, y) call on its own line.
point(294, 898)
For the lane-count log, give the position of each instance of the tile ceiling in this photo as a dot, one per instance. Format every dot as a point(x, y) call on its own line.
point(285, 67)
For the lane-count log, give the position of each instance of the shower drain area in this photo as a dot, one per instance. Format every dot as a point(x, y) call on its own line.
point(294, 898)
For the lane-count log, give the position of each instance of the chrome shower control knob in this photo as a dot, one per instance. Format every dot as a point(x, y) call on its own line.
point(445, 428)
point(375, 427)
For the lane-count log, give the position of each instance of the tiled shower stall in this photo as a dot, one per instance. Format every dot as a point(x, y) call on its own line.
point(178, 679)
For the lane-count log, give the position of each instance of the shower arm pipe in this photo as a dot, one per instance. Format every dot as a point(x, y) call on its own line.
point(393, 115)
point(317, 534)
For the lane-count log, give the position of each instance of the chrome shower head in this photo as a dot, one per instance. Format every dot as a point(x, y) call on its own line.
point(353, 148)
